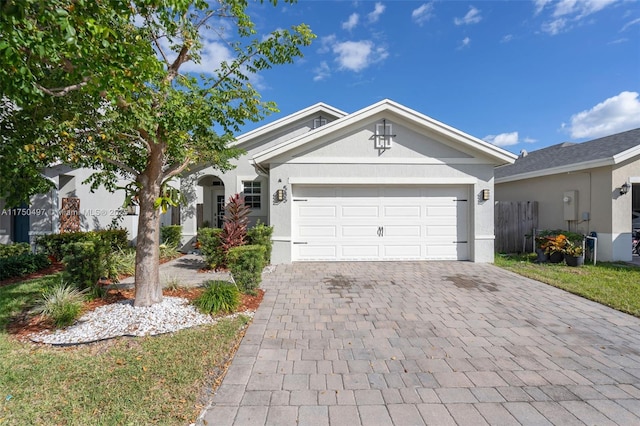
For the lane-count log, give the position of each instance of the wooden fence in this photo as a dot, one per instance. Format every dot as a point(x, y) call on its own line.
point(514, 220)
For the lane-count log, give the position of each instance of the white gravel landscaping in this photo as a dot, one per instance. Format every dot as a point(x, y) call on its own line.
point(123, 319)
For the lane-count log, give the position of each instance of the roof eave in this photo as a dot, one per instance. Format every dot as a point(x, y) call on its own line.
point(557, 170)
point(291, 118)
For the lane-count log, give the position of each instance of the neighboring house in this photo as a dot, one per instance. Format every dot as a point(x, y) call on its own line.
point(583, 187)
point(70, 206)
point(382, 183)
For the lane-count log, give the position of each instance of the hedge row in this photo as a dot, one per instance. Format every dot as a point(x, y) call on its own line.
point(53, 244)
point(15, 249)
point(22, 264)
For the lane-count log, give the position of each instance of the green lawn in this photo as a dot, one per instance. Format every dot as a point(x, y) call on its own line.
point(613, 284)
point(138, 381)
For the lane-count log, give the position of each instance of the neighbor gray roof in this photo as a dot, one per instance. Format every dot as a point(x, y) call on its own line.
point(570, 156)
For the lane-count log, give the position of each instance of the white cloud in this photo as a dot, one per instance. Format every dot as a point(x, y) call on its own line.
point(555, 26)
point(423, 13)
point(377, 11)
point(628, 24)
point(503, 139)
point(358, 55)
point(507, 38)
point(466, 42)
point(613, 115)
point(565, 12)
point(540, 5)
point(472, 17)
point(352, 22)
point(322, 71)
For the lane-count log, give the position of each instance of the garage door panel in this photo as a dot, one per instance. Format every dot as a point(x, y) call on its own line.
point(318, 231)
point(317, 211)
point(442, 233)
point(316, 252)
point(403, 251)
point(391, 231)
point(360, 251)
point(360, 211)
point(402, 211)
point(360, 231)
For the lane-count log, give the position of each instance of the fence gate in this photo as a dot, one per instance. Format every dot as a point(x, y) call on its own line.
point(514, 220)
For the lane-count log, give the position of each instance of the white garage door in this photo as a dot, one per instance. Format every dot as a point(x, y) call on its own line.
point(380, 223)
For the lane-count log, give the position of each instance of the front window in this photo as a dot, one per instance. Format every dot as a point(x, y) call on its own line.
point(252, 191)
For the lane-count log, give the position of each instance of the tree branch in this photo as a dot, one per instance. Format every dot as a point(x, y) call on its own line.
point(122, 166)
point(139, 139)
point(176, 169)
point(62, 91)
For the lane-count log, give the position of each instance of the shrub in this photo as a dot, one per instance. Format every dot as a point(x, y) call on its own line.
point(53, 244)
point(62, 304)
point(218, 296)
point(22, 264)
point(236, 220)
point(124, 262)
point(261, 235)
point(211, 246)
point(246, 264)
point(15, 249)
point(86, 262)
point(171, 235)
point(168, 252)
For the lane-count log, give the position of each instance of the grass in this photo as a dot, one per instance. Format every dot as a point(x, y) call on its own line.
point(616, 285)
point(152, 380)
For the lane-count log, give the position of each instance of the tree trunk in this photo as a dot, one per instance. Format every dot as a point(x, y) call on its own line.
point(148, 288)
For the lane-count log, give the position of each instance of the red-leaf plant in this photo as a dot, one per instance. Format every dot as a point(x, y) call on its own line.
point(236, 220)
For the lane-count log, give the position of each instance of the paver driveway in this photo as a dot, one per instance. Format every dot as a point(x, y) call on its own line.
point(415, 343)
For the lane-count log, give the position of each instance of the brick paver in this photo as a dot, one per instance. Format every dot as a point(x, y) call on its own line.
point(428, 343)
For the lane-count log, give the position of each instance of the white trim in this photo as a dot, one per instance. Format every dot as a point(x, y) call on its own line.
point(634, 179)
point(320, 107)
point(499, 155)
point(264, 191)
point(374, 180)
point(568, 168)
point(626, 155)
point(382, 160)
point(484, 237)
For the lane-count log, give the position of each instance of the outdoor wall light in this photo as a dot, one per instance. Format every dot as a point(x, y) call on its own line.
point(625, 188)
point(485, 195)
point(281, 195)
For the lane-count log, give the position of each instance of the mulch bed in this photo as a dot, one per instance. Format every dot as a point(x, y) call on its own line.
point(26, 324)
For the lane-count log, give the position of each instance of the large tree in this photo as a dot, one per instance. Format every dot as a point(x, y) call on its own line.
point(100, 84)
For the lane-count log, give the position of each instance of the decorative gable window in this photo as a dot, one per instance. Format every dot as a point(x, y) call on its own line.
point(384, 135)
point(319, 122)
point(252, 193)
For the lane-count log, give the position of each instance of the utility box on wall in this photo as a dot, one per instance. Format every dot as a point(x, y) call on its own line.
point(570, 202)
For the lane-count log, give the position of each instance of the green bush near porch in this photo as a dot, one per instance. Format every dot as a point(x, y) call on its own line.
point(246, 264)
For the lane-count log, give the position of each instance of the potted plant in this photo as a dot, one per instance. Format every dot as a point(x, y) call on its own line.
point(543, 256)
point(554, 247)
point(573, 254)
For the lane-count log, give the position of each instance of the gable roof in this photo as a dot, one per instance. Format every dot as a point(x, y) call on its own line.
point(274, 126)
point(569, 157)
point(496, 154)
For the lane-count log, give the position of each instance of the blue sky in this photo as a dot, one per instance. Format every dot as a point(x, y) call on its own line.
point(520, 74)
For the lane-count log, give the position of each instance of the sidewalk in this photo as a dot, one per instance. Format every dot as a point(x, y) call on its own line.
point(186, 271)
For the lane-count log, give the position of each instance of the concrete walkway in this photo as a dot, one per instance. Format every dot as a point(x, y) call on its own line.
point(414, 343)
